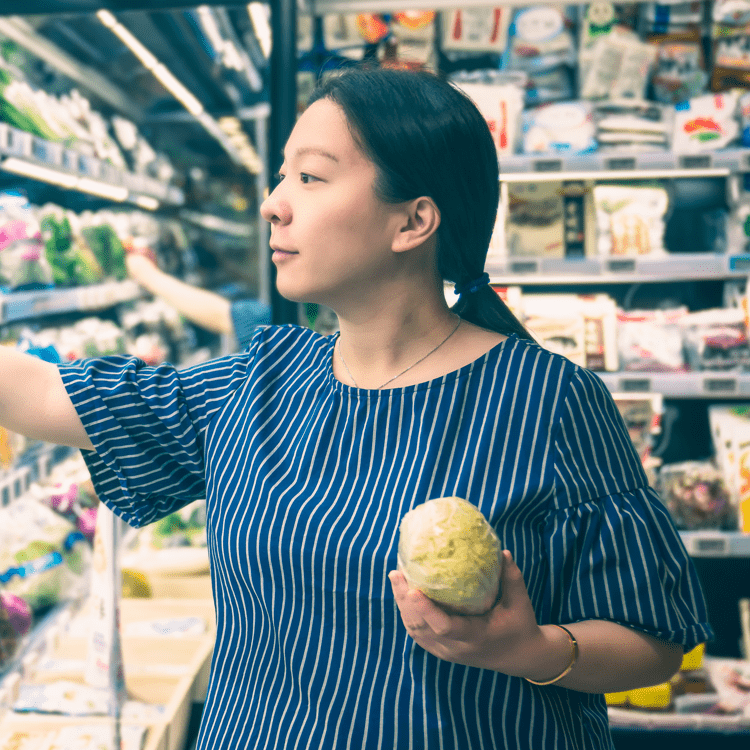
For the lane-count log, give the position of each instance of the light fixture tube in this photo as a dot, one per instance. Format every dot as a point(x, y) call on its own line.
point(146, 201)
point(177, 89)
point(151, 63)
point(103, 189)
point(258, 13)
point(65, 180)
point(38, 172)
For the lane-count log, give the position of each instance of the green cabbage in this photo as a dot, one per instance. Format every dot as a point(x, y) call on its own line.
point(448, 551)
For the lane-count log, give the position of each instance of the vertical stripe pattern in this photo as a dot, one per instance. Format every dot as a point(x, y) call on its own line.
point(306, 480)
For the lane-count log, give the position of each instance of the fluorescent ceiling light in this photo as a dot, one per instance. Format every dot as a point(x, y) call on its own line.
point(151, 63)
point(225, 48)
point(64, 179)
point(38, 172)
point(259, 16)
point(248, 158)
point(103, 189)
point(146, 201)
point(143, 54)
point(177, 90)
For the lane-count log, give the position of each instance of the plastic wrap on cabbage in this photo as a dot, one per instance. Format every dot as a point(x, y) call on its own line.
point(449, 551)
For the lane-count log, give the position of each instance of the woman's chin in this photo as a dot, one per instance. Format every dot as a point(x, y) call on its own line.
point(294, 294)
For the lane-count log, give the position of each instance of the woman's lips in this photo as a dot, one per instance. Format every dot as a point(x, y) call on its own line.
point(281, 255)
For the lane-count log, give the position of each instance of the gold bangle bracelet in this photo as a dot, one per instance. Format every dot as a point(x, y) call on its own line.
point(573, 660)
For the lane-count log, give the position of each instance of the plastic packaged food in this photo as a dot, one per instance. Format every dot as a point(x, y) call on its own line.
point(680, 71)
point(580, 327)
point(535, 219)
point(43, 557)
point(542, 45)
point(697, 496)
point(499, 97)
point(476, 29)
point(651, 340)
point(559, 128)
point(716, 339)
point(619, 67)
point(630, 219)
point(541, 39)
point(730, 432)
point(706, 123)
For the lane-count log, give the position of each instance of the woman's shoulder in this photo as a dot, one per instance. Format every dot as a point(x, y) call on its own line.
point(274, 346)
point(289, 335)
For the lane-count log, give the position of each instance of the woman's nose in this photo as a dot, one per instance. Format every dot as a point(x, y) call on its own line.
point(275, 210)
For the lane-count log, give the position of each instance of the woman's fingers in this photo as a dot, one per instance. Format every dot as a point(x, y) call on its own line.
point(513, 587)
point(417, 611)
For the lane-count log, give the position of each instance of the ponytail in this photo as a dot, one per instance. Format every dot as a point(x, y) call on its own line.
point(486, 309)
point(479, 304)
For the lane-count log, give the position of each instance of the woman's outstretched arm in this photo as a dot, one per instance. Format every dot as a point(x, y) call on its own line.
point(34, 402)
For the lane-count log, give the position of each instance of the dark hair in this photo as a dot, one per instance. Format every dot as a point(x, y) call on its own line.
point(428, 138)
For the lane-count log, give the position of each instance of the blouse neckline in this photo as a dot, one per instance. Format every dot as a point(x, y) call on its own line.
point(406, 389)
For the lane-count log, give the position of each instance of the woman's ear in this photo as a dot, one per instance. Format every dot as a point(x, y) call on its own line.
point(421, 219)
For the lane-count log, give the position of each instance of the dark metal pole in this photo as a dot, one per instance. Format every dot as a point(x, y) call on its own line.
point(283, 117)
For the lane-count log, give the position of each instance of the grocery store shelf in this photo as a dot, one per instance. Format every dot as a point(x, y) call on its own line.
point(22, 305)
point(24, 34)
point(34, 465)
point(34, 643)
point(645, 165)
point(618, 270)
point(709, 543)
point(27, 155)
point(680, 385)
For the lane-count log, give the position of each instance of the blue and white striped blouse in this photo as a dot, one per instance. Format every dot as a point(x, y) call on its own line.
point(306, 480)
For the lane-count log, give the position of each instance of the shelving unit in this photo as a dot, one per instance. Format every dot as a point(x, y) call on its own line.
point(717, 543)
point(644, 165)
point(30, 156)
point(23, 305)
point(681, 385)
point(531, 271)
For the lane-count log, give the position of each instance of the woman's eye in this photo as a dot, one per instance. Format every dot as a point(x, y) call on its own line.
point(279, 177)
point(306, 179)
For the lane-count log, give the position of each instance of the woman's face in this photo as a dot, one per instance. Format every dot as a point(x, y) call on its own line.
point(330, 234)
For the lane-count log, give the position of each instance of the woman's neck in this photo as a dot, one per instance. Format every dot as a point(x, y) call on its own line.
point(375, 347)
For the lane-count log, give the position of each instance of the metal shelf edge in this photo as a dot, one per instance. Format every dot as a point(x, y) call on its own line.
point(710, 543)
point(17, 306)
point(681, 385)
point(58, 165)
point(618, 270)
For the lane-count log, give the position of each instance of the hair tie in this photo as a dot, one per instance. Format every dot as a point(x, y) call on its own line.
point(472, 286)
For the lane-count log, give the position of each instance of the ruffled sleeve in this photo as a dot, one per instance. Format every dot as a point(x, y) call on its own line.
point(148, 424)
point(613, 550)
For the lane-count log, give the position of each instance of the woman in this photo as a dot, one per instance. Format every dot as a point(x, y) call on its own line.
point(310, 449)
